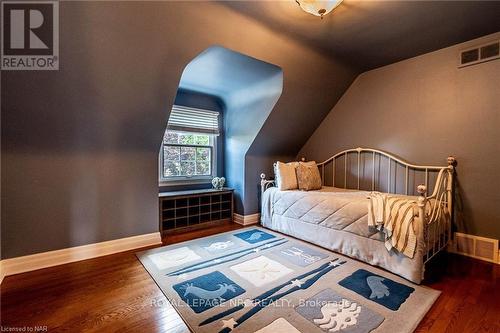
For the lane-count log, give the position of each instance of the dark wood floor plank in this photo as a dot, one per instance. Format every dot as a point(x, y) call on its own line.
point(116, 294)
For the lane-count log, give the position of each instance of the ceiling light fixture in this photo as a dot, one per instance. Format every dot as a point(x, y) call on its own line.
point(318, 7)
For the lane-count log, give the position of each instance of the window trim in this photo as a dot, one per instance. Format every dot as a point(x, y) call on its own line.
point(193, 180)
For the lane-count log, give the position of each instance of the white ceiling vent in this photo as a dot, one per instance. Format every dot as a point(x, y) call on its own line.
point(479, 54)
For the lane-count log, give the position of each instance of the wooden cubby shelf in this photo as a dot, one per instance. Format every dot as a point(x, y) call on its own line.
point(186, 210)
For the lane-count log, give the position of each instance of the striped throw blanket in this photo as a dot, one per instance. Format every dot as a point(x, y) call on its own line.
point(394, 215)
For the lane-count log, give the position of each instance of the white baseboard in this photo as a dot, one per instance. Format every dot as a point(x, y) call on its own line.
point(246, 219)
point(58, 257)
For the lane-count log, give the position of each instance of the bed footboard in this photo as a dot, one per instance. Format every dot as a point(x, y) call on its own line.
point(436, 211)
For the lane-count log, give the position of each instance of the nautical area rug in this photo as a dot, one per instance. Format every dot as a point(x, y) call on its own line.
point(256, 280)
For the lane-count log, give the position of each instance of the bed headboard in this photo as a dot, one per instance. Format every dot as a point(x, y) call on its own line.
point(376, 170)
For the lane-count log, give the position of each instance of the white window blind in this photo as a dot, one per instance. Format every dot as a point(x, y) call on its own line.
point(187, 119)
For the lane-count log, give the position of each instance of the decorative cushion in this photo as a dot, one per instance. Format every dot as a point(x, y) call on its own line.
point(286, 179)
point(308, 177)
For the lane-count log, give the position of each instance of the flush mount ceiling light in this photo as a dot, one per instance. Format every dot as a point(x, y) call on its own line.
point(318, 7)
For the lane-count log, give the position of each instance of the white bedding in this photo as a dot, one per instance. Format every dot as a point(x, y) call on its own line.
point(337, 219)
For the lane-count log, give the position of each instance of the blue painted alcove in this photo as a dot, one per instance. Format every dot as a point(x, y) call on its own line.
point(249, 89)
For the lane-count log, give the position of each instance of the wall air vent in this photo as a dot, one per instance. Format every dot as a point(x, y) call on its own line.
point(479, 54)
point(475, 247)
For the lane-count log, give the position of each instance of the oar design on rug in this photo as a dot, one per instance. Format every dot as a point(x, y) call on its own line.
point(301, 282)
point(296, 252)
point(228, 257)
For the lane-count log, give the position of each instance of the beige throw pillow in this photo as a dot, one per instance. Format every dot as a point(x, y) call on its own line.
point(308, 177)
point(286, 179)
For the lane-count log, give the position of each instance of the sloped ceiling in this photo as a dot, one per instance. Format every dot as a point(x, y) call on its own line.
point(222, 72)
point(370, 34)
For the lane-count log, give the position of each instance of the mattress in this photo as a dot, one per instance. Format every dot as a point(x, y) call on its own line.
point(337, 220)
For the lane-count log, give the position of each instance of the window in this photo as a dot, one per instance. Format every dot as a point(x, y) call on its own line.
point(189, 151)
point(187, 155)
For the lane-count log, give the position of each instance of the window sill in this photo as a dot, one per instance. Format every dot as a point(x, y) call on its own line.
point(183, 182)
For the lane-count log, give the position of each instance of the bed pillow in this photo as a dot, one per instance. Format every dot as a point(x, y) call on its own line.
point(308, 177)
point(286, 178)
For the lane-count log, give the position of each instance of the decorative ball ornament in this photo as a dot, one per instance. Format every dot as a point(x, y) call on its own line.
point(218, 182)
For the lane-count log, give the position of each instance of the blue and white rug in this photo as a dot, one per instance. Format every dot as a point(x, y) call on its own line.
point(256, 280)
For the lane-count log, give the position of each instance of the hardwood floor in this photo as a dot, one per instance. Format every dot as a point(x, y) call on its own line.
point(116, 294)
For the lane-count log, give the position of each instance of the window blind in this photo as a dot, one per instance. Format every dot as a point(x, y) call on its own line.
point(187, 119)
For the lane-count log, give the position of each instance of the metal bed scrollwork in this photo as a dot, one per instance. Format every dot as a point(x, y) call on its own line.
point(434, 211)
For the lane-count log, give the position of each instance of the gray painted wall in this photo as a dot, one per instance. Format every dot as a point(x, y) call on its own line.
point(424, 109)
point(80, 145)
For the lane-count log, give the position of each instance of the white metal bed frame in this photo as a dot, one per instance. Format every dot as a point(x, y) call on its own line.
point(435, 226)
